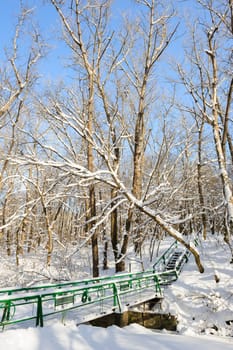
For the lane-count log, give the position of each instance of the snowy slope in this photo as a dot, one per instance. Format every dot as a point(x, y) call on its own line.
point(204, 306)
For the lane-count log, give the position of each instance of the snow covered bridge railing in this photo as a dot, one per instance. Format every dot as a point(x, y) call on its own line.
point(162, 261)
point(71, 284)
point(87, 299)
point(82, 303)
point(169, 265)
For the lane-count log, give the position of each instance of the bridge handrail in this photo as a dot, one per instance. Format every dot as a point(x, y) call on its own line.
point(168, 273)
point(162, 260)
point(84, 282)
point(62, 297)
point(95, 293)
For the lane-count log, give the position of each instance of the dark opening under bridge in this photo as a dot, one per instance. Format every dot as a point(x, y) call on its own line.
point(88, 299)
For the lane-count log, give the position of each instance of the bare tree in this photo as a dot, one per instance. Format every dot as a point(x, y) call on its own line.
point(200, 128)
point(18, 75)
point(212, 93)
point(88, 57)
point(154, 41)
point(94, 117)
point(16, 80)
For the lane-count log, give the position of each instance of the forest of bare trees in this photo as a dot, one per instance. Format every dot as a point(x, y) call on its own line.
point(136, 145)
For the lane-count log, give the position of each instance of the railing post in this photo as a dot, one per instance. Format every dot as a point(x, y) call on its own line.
point(116, 298)
point(39, 314)
point(6, 311)
point(157, 284)
point(164, 260)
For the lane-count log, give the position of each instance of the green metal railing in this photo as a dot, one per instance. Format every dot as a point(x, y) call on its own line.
point(103, 294)
point(162, 261)
point(70, 284)
point(107, 296)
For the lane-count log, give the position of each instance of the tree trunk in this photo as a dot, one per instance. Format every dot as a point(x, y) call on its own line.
point(90, 161)
point(227, 190)
point(120, 266)
point(114, 226)
point(199, 182)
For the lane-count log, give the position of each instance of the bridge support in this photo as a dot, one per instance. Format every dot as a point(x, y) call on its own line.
point(153, 320)
point(145, 319)
point(142, 315)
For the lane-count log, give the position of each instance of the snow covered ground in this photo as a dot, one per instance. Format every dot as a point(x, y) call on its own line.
point(203, 306)
point(133, 337)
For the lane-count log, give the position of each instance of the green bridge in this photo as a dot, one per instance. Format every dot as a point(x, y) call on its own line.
point(88, 299)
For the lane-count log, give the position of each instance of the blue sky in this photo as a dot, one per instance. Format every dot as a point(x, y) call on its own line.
point(45, 16)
